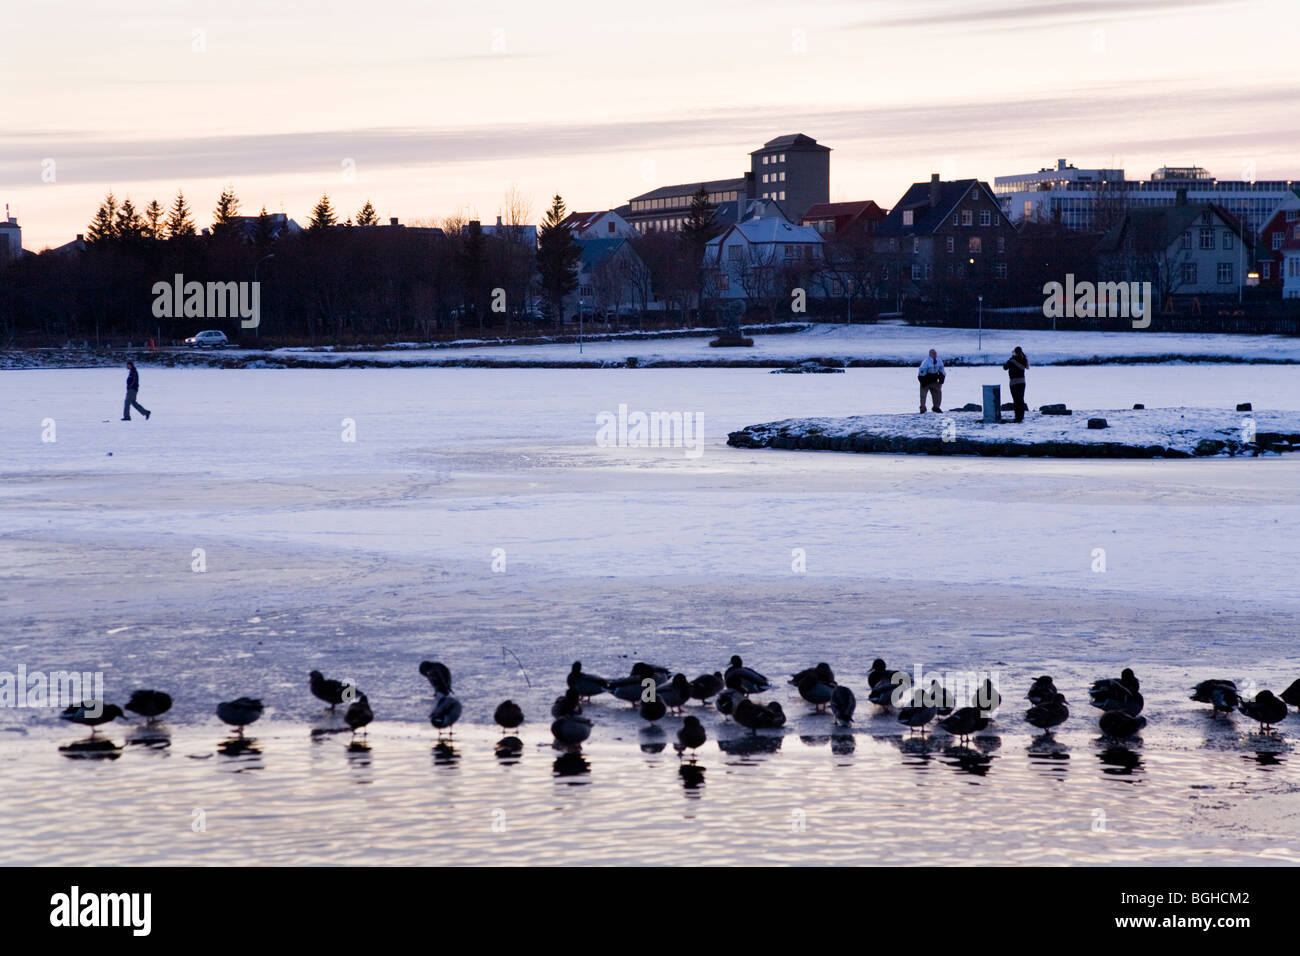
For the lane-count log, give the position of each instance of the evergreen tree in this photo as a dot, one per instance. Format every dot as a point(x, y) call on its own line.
point(153, 220)
point(130, 226)
point(322, 216)
point(103, 228)
point(557, 256)
point(179, 223)
point(696, 233)
point(224, 217)
point(367, 216)
point(262, 237)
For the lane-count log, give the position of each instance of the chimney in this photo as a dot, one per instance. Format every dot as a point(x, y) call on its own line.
point(81, 237)
point(1060, 165)
point(392, 221)
point(498, 222)
point(1180, 197)
point(934, 190)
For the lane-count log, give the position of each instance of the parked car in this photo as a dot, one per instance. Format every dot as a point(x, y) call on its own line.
point(210, 339)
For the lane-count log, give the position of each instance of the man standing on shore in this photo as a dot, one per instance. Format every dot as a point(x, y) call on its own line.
point(132, 386)
point(931, 376)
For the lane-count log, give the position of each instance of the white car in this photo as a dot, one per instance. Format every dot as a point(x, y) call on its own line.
point(212, 338)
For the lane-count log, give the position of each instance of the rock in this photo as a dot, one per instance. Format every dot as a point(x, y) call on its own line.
point(1138, 406)
point(1208, 446)
point(631, 361)
point(1097, 423)
point(970, 407)
point(1057, 409)
point(1244, 407)
point(1008, 406)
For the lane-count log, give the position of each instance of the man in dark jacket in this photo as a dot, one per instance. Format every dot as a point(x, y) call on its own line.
point(132, 386)
point(1015, 367)
point(931, 376)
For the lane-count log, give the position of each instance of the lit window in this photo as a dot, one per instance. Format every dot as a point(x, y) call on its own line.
point(782, 158)
point(967, 217)
point(907, 217)
point(781, 174)
point(782, 196)
point(764, 160)
point(974, 244)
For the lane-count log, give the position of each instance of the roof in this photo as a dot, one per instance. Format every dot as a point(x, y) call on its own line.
point(595, 251)
point(927, 218)
point(833, 210)
point(791, 141)
point(581, 221)
point(1164, 223)
point(690, 189)
point(761, 230)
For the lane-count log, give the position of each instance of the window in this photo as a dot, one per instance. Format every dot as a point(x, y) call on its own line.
point(1266, 270)
point(1292, 215)
point(955, 220)
point(1029, 209)
point(975, 244)
point(610, 226)
point(893, 244)
point(781, 158)
point(1000, 270)
point(967, 217)
point(1225, 273)
point(1002, 243)
point(951, 244)
point(765, 177)
point(1186, 241)
point(1207, 237)
point(782, 196)
point(916, 272)
point(929, 271)
point(907, 217)
point(986, 218)
point(782, 175)
point(975, 194)
point(1277, 240)
point(1227, 238)
point(1189, 273)
point(916, 245)
point(792, 252)
point(724, 282)
point(765, 159)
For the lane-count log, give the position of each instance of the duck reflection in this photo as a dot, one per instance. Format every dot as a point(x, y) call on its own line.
point(1048, 755)
point(967, 759)
point(692, 775)
point(92, 748)
point(1118, 760)
point(242, 753)
point(445, 754)
point(843, 744)
point(1265, 759)
point(509, 750)
point(571, 763)
point(151, 737)
point(652, 739)
point(750, 745)
point(814, 740)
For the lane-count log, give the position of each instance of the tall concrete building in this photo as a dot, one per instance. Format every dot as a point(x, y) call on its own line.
point(11, 238)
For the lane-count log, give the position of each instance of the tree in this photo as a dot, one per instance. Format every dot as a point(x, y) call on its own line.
point(262, 237)
point(153, 220)
point(103, 228)
point(557, 257)
point(322, 216)
point(130, 226)
point(367, 216)
point(179, 223)
point(698, 229)
point(223, 217)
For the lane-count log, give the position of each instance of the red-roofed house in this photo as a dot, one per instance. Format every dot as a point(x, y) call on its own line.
point(839, 218)
point(599, 225)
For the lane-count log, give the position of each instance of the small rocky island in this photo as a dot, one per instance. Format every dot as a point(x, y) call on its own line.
point(1053, 432)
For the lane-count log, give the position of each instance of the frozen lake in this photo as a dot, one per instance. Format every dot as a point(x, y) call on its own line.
point(475, 512)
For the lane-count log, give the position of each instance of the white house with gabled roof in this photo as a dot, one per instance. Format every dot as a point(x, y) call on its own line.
point(761, 256)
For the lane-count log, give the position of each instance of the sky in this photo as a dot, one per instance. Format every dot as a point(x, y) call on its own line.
point(430, 109)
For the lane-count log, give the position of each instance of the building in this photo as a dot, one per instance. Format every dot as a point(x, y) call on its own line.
point(598, 225)
point(1090, 200)
point(11, 238)
point(277, 224)
point(527, 235)
point(612, 281)
point(761, 258)
point(1184, 249)
point(938, 233)
point(792, 171)
point(842, 218)
point(1268, 245)
point(1291, 263)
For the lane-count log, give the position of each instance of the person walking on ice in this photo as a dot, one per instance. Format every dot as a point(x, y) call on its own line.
point(1016, 366)
point(132, 387)
point(931, 376)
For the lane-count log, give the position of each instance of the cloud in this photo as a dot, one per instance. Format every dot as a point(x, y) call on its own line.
point(1036, 13)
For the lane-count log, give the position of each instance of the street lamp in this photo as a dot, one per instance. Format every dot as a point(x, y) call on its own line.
point(582, 310)
point(980, 340)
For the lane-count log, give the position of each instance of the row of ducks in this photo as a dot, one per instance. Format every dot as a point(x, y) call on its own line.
point(654, 692)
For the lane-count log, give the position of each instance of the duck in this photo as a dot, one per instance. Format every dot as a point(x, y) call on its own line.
point(1049, 713)
point(919, 712)
point(508, 715)
point(446, 711)
point(1221, 695)
point(756, 716)
point(438, 675)
point(653, 709)
point(642, 670)
point(675, 693)
point(986, 698)
point(884, 694)
point(843, 703)
point(728, 700)
point(330, 691)
point(691, 735)
point(567, 705)
point(1123, 694)
point(240, 712)
point(587, 685)
point(965, 721)
point(821, 671)
point(628, 689)
point(92, 713)
point(1041, 691)
point(358, 713)
point(1292, 694)
point(879, 673)
point(571, 730)
point(1265, 708)
point(814, 688)
point(943, 699)
point(748, 679)
point(707, 685)
point(150, 704)
point(1120, 723)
